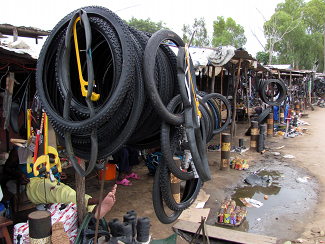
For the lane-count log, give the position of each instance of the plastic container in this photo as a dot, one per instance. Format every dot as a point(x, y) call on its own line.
point(1, 193)
point(8, 210)
point(110, 172)
point(2, 209)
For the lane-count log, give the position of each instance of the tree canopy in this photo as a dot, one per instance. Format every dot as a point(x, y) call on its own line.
point(295, 32)
point(146, 25)
point(263, 57)
point(200, 38)
point(227, 32)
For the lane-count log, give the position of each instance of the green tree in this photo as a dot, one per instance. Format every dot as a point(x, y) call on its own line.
point(200, 38)
point(314, 18)
point(228, 33)
point(263, 57)
point(296, 33)
point(284, 21)
point(146, 25)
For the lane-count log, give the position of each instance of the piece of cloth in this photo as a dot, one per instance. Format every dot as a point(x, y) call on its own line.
point(256, 180)
point(126, 157)
point(24, 155)
point(55, 193)
point(275, 112)
point(152, 161)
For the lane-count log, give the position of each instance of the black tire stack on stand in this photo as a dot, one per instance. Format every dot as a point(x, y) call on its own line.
point(143, 101)
point(278, 97)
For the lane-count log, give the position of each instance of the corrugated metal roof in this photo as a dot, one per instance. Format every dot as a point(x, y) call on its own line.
point(23, 31)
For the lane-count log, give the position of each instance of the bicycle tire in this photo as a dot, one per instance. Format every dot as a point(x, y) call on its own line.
point(228, 107)
point(149, 61)
point(168, 142)
point(192, 189)
point(157, 201)
point(117, 97)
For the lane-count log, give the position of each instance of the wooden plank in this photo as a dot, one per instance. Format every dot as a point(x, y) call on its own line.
point(80, 190)
point(213, 79)
point(225, 234)
point(232, 128)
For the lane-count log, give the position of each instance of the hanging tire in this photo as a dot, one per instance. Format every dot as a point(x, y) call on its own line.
point(228, 107)
point(281, 92)
point(149, 62)
point(192, 189)
point(170, 136)
point(158, 204)
point(44, 79)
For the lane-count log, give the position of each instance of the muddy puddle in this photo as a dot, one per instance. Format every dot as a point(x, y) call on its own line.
point(291, 198)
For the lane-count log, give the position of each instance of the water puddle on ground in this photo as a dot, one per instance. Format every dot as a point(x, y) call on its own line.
point(286, 201)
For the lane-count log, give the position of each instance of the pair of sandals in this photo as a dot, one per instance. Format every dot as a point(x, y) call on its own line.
point(126, 182)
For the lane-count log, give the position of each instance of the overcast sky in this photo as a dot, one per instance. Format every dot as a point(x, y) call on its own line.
point(46, 14)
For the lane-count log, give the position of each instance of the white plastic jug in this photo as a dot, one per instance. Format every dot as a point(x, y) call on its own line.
point(1, 194)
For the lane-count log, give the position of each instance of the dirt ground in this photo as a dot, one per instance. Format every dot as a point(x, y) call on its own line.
point(299, 218)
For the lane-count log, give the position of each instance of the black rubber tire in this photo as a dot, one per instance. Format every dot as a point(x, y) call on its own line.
point(282, 91)
point(107, 57)
point(228, 107)
point(192, 189)
point(193, 128)
point(149, 62)
point(169, 137)
point(214, 110)
point(121, 136)
point(42, 79)
point(208, 120)
point(158, 204)
point(261, 119)
point(150, 142)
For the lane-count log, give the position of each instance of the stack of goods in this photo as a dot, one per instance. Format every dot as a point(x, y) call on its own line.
point(239, 164)
point(230, 214)
point(67, 214)
point(132, 229)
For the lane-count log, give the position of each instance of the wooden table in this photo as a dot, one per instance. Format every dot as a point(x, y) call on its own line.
point(4, 222)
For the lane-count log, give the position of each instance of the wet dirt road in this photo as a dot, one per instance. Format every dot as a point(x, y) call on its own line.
point(293, 211)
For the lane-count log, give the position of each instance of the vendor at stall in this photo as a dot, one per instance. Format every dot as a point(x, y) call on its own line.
point(42, 190)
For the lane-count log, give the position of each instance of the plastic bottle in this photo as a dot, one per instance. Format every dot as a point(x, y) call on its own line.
point(8, 210)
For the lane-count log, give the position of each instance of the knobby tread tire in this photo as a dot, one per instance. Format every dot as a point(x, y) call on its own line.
point(158, 204)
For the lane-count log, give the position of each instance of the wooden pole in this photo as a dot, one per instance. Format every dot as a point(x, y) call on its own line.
point(281, 115)
point(15, 34)
point(247, 95)
point(207, 88)
point(254, 135)
point(200, 74)
point(225, 152)
point(221, 92)
point(227, 83)
point(80, 191)
point(297, 107)
point(213, 81)
point(235, 101)
point(221, 89)
point(270, 125)
point(175, 183)
point(290, 83)
point(233, 76)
